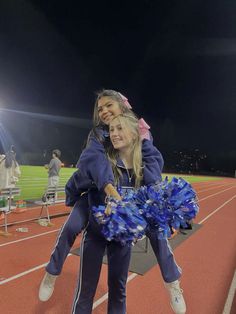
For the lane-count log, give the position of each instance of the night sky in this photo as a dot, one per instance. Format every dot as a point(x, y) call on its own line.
point(174, 60)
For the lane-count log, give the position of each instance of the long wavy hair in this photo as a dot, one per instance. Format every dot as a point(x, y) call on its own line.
point(128, 122)
point(97, 121)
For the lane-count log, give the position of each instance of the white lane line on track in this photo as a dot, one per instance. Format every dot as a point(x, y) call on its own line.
point(202, 199)
point(230, 298)
point(2, 282)
point(100, 301)
point(28, 238)
point(217, 209)
point(22, 274)
point(208, 183)
point(40, 207)
point(33, 220)
point(214, 187)
point(133, 275)
point(42, 234)
point(105, 296)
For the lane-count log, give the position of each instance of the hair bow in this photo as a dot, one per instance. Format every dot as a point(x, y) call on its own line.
point(144, 129)
point(125, 100)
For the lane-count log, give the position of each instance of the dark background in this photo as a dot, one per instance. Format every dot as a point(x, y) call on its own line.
point(174, 60)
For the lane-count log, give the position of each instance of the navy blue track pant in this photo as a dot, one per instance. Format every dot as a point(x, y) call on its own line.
point(92, 251)
point(169, 269)
point(75, 223)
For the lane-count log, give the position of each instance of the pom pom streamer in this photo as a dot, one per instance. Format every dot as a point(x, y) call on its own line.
point(158, 207)
point(124, 224)
point(169, 204)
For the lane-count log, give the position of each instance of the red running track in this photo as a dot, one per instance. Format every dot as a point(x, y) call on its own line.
point(207, 258)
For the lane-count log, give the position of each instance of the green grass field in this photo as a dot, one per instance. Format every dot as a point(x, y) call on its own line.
point(33, 180)
point(191, 178)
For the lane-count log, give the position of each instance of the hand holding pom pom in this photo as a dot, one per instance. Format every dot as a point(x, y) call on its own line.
point(124, 224)
point(108, 209)
point(166, 205)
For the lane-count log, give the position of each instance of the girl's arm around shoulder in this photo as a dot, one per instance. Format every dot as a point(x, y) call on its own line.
point(76, 185)
point(150, 152)
point(153, 162)
point(93, 163)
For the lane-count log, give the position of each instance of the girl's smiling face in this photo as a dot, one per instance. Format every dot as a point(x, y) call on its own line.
point(121, 136)
point(108, 108)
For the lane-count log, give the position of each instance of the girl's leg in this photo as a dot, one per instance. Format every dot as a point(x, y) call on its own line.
point(91, 255)
point(169, 269)
point(118, 265)
point(74, 224)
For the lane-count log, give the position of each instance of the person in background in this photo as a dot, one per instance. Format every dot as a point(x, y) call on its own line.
point(54, 168)
point(9, 170)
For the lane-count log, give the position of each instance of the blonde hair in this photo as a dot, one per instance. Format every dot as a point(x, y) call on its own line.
point(128, 122)
point(113, 95)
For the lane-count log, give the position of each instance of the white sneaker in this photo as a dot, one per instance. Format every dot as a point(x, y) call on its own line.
point(176, 297)
point(46, 287)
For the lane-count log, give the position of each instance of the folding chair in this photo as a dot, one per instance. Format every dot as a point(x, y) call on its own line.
point(8, 193)
point(49, 198)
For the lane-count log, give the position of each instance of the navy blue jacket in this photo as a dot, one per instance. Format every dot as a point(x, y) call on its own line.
point(97, 197)
point(93, 162)
point(95, 169)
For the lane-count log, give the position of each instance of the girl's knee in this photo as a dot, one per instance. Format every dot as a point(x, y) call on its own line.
point(73, 228)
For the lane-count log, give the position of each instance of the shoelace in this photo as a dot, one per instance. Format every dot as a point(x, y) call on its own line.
point(176, 292)
point(48, 282)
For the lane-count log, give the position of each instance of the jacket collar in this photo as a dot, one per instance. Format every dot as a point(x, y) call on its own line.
point(120, 163)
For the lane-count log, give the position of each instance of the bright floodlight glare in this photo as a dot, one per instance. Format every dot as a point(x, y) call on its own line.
point(83, 123)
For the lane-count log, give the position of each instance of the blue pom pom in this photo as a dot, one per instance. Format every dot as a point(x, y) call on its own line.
point(124, 224)
point(168, 204)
